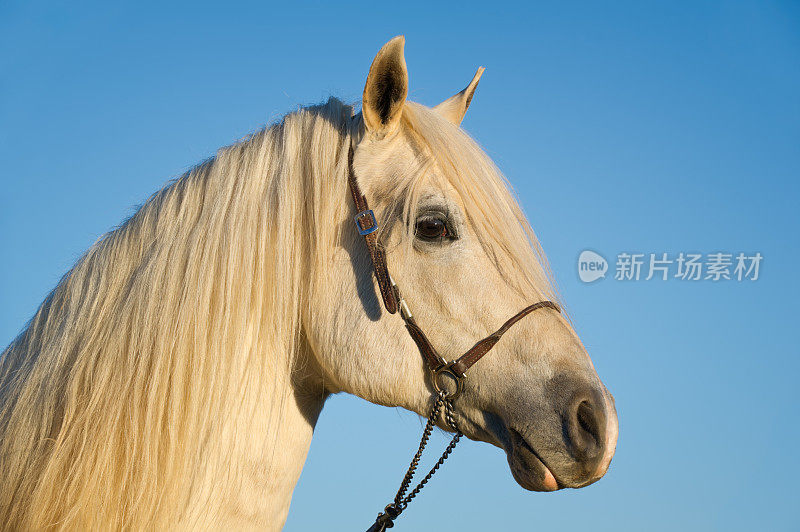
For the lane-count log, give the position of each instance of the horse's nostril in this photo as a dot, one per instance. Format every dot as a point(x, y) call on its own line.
point(587, 421)
point(585, 430)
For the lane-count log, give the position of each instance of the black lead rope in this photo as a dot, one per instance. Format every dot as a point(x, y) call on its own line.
point(393, 510)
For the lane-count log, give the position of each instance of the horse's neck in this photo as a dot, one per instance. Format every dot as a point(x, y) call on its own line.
point(249, 484)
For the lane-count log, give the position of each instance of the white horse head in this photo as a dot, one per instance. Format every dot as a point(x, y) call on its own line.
point(466, 259)
point(174, 376)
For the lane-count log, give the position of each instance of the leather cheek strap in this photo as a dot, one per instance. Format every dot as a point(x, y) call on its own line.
point(368, 227)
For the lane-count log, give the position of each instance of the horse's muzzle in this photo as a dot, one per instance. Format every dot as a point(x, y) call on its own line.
point(570, 446)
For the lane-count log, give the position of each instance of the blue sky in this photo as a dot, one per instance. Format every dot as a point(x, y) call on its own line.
point(626, 127)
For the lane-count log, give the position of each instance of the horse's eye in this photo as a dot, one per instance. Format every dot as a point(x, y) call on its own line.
point(431, 228)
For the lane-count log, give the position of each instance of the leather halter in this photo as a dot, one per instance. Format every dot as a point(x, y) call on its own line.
point(393, 300)
point(440, 369)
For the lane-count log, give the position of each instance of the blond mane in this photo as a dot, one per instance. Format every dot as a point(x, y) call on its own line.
point(111, 397)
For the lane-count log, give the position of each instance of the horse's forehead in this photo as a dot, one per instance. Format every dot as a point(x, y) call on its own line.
point(386, 153)
point(382, 164)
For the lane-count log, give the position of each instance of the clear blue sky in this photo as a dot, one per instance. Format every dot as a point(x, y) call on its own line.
point(630, 126)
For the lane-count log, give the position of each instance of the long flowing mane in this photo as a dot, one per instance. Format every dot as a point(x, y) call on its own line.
point(111, 399)
point(114, 390)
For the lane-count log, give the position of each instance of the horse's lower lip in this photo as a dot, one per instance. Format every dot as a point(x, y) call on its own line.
point(536, 475)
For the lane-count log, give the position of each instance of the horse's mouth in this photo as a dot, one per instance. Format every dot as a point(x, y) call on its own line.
point(527, 467)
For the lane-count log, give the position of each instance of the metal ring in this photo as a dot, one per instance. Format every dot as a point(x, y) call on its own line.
point(439, 385)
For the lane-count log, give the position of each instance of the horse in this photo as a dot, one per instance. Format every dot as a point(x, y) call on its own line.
point(174, 376)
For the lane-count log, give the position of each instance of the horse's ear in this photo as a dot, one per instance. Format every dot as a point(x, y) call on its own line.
point(386, 89)
point(455, 107)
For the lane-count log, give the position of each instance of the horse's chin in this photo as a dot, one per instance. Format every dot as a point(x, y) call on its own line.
point(528, 469)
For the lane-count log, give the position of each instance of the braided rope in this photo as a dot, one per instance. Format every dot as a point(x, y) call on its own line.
point(401, 500)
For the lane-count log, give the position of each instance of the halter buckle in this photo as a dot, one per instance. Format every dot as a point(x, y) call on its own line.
point(446, 370)
point(366, 214)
